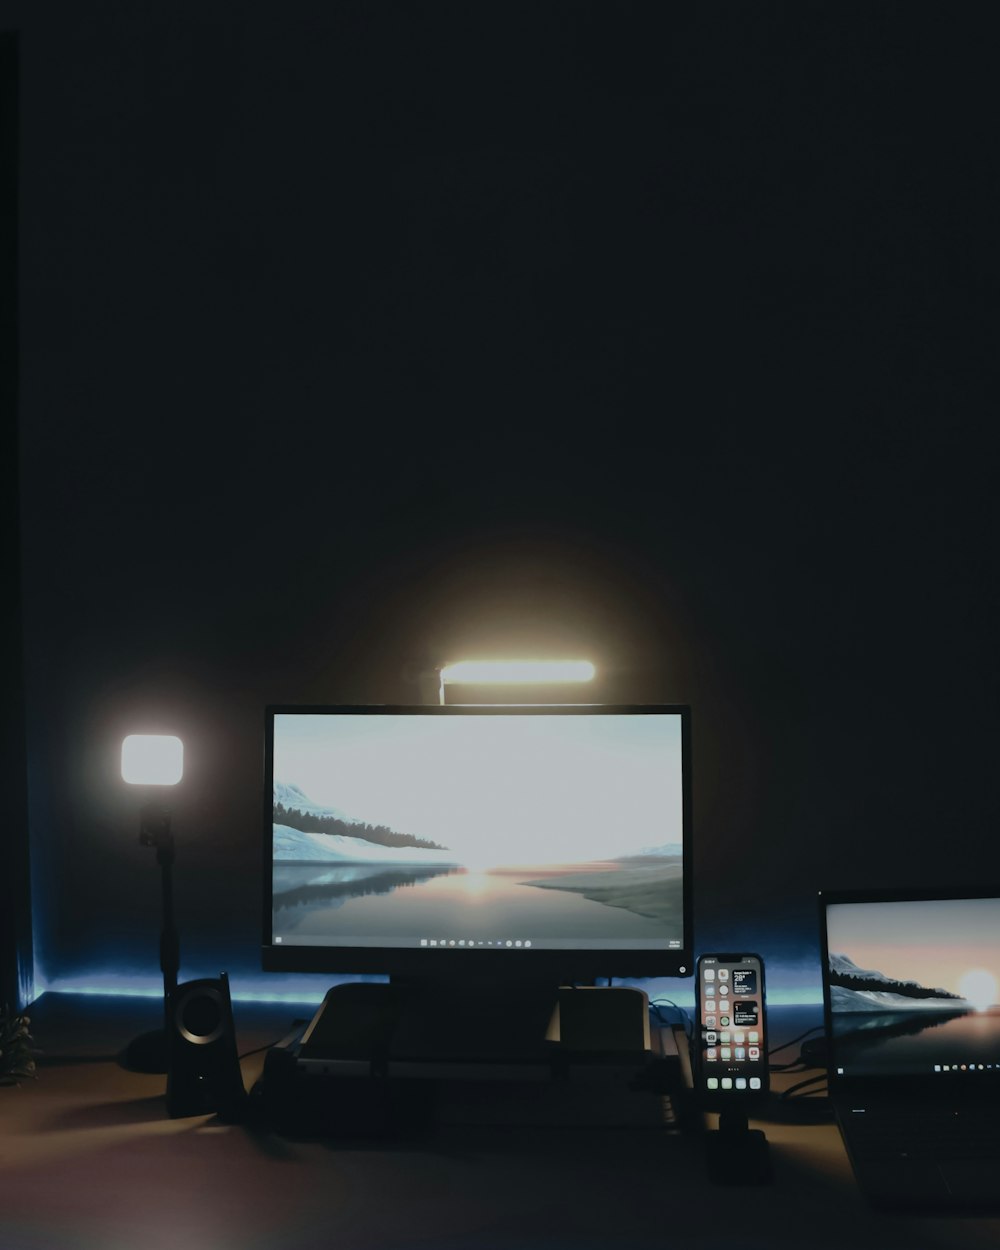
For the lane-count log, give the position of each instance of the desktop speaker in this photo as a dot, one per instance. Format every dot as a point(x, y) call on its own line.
point(203, 1072)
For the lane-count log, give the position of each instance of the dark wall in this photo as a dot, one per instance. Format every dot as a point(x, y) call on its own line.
point(359, 334)
point(15, 911)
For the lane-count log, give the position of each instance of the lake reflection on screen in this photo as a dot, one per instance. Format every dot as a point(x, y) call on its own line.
point(403, 902)
point(904, 1042)
point(305, 887)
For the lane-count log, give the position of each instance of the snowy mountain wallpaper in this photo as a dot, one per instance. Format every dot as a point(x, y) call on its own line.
point(915, 984)
point(562, 830)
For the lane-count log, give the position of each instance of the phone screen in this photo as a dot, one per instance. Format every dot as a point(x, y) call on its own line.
point(732, 1042)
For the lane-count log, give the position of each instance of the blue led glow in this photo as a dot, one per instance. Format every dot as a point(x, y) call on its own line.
point(307, 990)
point(123, 985)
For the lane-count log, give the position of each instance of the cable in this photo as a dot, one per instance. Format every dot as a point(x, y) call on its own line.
point(686, 1022)
point(256, 1051)
point(269, 1045)
point(791, 1093)
point(804, 1059)
point(817, 1028)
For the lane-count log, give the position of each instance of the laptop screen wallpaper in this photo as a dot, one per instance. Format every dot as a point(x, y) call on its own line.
point(914, 987)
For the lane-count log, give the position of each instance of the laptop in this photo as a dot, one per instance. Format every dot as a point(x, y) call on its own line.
point(911, 990)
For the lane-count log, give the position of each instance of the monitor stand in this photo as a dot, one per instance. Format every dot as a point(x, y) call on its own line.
point(387, 1058)
point(429, 1021)
point(425, 1021)
point(469, 1021)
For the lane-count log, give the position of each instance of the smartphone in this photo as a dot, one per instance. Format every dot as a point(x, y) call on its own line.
point(731, 1033)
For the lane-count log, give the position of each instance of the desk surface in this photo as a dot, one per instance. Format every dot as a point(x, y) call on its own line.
point(89, 1159)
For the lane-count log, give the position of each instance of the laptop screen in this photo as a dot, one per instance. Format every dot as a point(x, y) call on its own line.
point(912, 986)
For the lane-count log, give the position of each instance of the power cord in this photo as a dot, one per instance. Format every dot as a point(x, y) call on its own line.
point(657, 1005)
point(270, 1045)
point(792, 1093)
point(806, 1058)
point(807, 1101)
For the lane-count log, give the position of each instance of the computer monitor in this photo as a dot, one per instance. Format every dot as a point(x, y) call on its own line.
point(544, 844)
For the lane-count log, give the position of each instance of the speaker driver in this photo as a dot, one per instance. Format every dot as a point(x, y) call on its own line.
point(199, 1015)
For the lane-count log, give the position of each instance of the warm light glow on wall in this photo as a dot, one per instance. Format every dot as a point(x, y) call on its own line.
point(476, 672)
point(152, 759)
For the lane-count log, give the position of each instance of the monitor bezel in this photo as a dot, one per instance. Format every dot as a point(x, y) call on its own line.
point(517, 965)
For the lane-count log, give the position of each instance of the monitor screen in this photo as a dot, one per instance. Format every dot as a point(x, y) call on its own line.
point(912, 985)
point(529, 840)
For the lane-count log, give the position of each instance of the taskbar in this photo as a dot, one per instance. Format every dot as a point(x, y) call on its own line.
point(511, 943)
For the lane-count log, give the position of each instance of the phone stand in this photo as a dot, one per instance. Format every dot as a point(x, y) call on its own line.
point(737, 1154)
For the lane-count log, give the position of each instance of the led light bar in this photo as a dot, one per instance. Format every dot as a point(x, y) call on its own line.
point(476, 672)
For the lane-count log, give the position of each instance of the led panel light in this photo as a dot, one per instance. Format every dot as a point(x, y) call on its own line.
point(476, 672)
point(152, 759)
